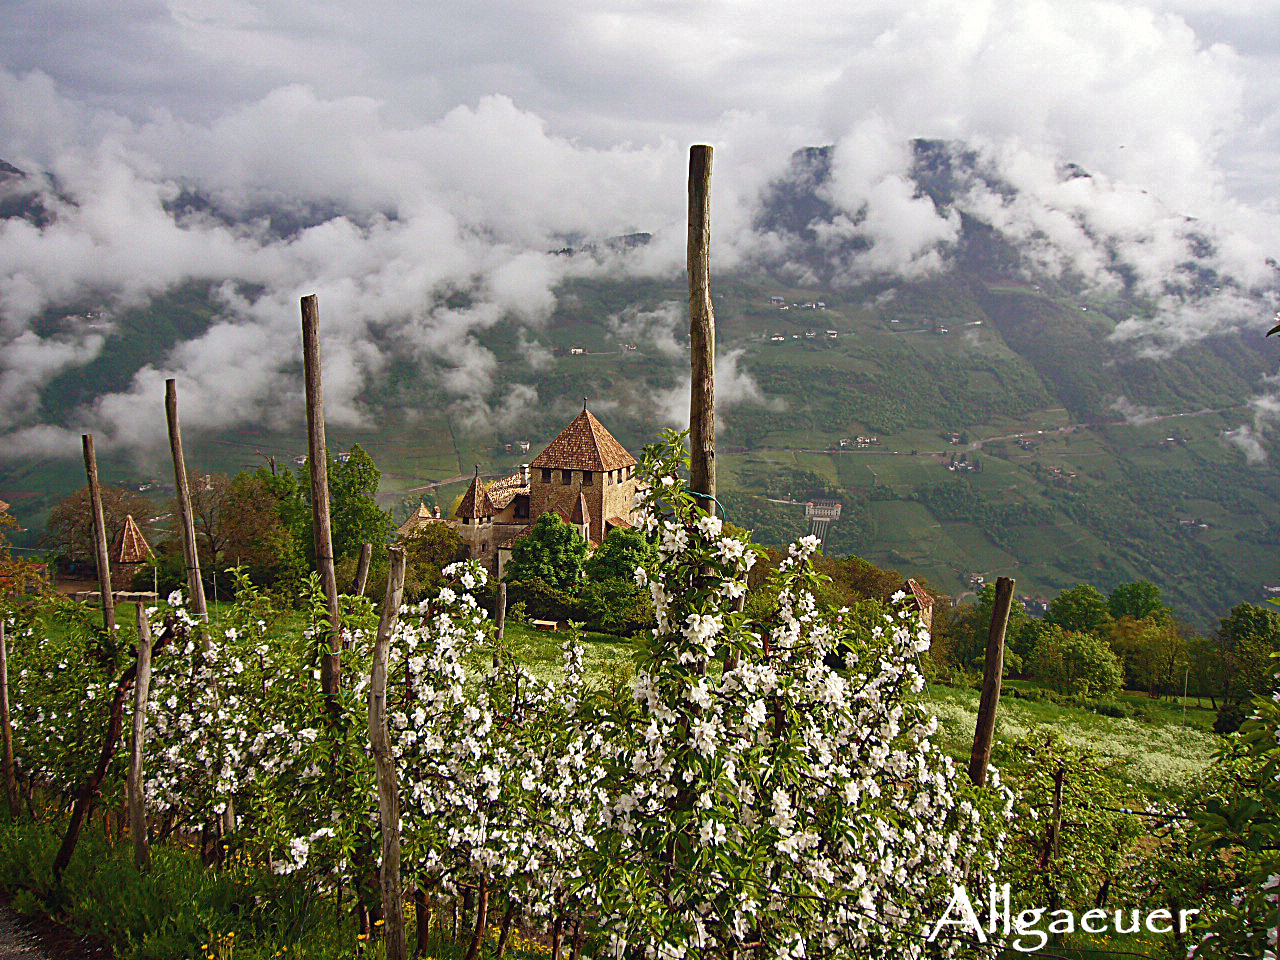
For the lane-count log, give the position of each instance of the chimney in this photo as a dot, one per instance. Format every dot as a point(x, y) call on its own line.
point(524, 474)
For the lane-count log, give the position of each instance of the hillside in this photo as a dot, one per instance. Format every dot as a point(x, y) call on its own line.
point(1014, 435)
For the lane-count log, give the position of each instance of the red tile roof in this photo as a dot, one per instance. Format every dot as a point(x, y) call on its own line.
point(584, 445)
point(475, 502)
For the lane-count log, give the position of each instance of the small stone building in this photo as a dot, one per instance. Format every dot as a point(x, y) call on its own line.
point(584, 475)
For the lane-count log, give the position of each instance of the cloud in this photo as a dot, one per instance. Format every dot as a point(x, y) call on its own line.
point(432, 154)
point(656, 329)
point(1253, 437)
point(734, 385)
point(1134, 414)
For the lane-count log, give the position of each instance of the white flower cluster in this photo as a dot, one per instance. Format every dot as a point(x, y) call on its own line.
point(771, 799)
point(745, 795)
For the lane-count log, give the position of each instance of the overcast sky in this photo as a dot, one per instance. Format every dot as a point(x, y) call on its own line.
point(460, 138)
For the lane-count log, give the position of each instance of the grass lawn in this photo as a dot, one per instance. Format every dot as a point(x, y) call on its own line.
point(1159, 756)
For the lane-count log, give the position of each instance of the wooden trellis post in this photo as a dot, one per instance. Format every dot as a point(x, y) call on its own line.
point(195, 585)
point(993, 670)
point(384, 761)
point(6, 727)
point(362, 569)
point(321, 529)
point(702, 331)
point(100, 536)
point(137, 796)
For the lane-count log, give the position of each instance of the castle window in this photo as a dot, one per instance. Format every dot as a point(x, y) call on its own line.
point(546, 475)
point(566, 476)
point(586, 478)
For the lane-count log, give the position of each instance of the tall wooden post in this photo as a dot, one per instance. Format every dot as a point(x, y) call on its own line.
point(195, 586)
point(384, 761)
point(6, 727)
point(362, 569)
point(100, 536)
point(137, 798)
point(992, 672)
point(501, 618)
point(318, 461)
point(702, 330)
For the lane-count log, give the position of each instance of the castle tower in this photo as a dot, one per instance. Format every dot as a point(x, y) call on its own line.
point(586, 476)
point(475, 510)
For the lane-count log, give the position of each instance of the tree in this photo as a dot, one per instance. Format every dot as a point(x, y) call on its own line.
point(971, 626)
point(355, 517)
point(429, 550)
point(257, 528)
point(1079, 664)
point(1082, 609)
point(552, 551)
point(209, 495)
point(16, 574)
point(1022, 639)
point(1246, 638)
point(1139, 600)
point(859, 579)
point(71, 522)
point(353, 491)
point(1155, 652)
point(618, 556)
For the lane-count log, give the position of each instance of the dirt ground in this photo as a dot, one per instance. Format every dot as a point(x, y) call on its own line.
point(39, 938)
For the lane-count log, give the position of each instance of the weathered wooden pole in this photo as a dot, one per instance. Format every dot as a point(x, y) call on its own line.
point(501, 618)
point(992, 672)
point(195, 586)
point(384, 762)
point(137, 796)
point(702, 330)
point(362, 569)
point(321, 529)
point(100, 536)
point(6, 728)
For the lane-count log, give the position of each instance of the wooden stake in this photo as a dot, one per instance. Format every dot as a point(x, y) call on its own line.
point(362, 568)
point(702, 330)
point(100, 537)
point(502, 609)
point(195, 586)
point(321, 530)
point(6, 728)
point(137, 796)
point(384, 761)
point(992, 672)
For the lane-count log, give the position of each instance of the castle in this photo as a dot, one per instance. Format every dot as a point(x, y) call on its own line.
point(584, 475)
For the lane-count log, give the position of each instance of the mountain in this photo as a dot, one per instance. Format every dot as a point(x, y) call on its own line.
point(1019, 426)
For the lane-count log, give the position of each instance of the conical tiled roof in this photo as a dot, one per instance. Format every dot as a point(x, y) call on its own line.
point(581, 512)
point(584, 445)
point(131, 547)
point(475, 502)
